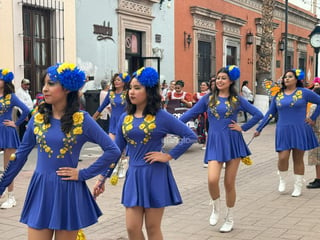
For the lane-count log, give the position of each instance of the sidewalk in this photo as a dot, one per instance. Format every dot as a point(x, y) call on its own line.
point(261, 213)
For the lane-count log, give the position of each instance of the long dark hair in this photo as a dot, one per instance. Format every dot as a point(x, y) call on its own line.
point(153, 101)
point(232, 90)
point(298, 84)
point(73, 105)
point(8, 88)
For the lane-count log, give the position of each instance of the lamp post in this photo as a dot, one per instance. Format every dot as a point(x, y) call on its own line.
point(315, 43)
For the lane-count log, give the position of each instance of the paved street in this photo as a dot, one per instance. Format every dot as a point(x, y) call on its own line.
point(261, 213)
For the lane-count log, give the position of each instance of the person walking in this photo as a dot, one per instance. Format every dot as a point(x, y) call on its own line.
point(149, 186)
point(201, 121)
point(9, 139)
point(117, 98)
point(105, 114)
point(24, 95)
point(314, 154)
point(294, 133)
point(247, 94)
point(225, 143)
point(58, 202)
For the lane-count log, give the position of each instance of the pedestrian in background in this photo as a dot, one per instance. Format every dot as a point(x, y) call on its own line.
point(105, 114)
point(58, 202)
point(149, 185)
point(247, 94)
point(202, 120)
point(294, 133)
point(225, 143)
point(314, 154)
point(9, 139)
point(24, 95)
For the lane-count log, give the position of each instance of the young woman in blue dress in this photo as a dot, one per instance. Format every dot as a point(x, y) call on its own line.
point(149, 185)
point(58, 202)
point(116, 97)
point(225, 143)
point(294, 133)
point(9, 140)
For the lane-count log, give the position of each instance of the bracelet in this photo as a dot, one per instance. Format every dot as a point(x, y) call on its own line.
point(102, 179)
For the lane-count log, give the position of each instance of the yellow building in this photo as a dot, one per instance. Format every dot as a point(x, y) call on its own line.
point(34, 35)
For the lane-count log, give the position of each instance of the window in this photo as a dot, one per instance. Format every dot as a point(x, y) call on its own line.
point(231, 55)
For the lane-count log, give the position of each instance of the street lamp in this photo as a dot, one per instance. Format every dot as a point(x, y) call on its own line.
point(315, 43)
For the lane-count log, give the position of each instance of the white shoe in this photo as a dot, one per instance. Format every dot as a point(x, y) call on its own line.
point(9, 203)
point(203, 148)
point(282, 181)
point(298, 184)
point(205, 165)
point(214, 217)
point(228, 224)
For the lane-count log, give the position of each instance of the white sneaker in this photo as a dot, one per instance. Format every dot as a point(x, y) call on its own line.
point(9, 203)
point(203, 148)
point(205, 165)
point(227, 226)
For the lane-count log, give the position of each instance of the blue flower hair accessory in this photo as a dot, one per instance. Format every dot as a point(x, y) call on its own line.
point(233, 72)
point(125, 77)
point(299, 73)
point(68, 74)
point(6, 75)
point(147, 76)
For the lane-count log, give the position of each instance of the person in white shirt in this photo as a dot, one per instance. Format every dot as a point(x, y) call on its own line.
point(247, 94)
point(105, 114)
point(24, 96)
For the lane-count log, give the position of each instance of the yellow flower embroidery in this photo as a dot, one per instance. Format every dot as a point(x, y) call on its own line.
point(147, 126)
point(77, 118)
point(5, 103)
point(229, 112)
point(40, 130)
point(112, 96)
point(38, 118)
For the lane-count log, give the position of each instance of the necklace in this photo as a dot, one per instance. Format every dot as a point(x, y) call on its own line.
point(5, 103)
point(40, 129)
point(147, 126)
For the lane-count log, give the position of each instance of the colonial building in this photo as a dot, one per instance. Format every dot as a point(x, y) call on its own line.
point(34, 35)
point(223, 32)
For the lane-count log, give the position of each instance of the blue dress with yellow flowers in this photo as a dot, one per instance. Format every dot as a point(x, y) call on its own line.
point(292, 131)
point(52, 203)
point(8, 135)
point(151, 185)
point(223, 143)
point(118, 107)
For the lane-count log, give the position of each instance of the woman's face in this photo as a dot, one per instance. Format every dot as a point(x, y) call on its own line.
point(203, 87)
point(178, 88)
point(137, 93)
point(223, 81)
point(290, 79)
point(316, 85)
point(118, 83)
point(53, 92)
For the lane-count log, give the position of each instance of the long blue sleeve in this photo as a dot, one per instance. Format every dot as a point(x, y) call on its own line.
point(15, 166)
point(111, 152)
point(255, 113)
point(313, 98)
point(105, 103)
point(200, 107)
point(187, 136)
point(24, 109)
